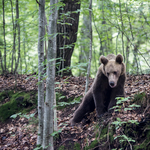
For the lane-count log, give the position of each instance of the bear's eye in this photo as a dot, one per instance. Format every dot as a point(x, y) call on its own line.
point(115, 72)
point(107, 74)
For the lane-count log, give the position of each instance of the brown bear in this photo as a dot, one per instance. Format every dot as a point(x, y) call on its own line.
point(108, 84)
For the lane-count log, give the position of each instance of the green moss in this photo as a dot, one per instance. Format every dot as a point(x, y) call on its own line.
point(4, 95)
point(145, 144)
point(92, 145)
point(8, 109)
point(16, 102)
point(104, 132)
point(77, 146)
point(61, 148)
point(140, 98)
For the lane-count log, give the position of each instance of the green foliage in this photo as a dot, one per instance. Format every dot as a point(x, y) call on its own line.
point(22, 115)
point(56, 132)
point(117, 130)
point(14, 116)
point(38, 147)
point(145, 144)
point(76, 100)
point(140, 98)
point(119, 123)
point(92, 145)
point(63, 101)
point(77, 146)
point(118, 27)
point(61, 148)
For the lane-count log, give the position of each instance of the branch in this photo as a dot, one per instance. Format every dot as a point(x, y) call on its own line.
point(129, 40)
point(37, 2)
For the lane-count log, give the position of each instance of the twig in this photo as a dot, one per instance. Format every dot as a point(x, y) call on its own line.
point(108, 135)
point(129, 41)
point(148, 105)
point(37, 2)
point(69, 139)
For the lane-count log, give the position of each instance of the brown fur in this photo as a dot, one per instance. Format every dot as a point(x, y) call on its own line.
point(108, 84)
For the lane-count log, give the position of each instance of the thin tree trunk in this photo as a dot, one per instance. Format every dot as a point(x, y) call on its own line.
point(90, 51)
point(24, 46)
point(50, 80)
point(55, 115)
point(14, 38)
point(127, 56)
point(41, 71)
point(4, 36)
point(18, 27)
point(100, 39)
point(1, 62)
point(122, 32)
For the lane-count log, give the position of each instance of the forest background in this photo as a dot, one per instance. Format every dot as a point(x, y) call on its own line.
point(118, 27)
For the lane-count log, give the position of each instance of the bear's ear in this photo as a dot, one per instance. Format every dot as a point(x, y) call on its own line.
point(103, 60)
point(119, 58)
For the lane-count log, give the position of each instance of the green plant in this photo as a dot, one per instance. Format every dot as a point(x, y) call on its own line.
point(70, 103)
point(119, 123)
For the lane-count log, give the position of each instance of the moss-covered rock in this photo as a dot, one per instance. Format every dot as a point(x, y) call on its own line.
point(13, 102)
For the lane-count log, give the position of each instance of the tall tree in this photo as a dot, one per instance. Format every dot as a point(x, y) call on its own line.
point(50, 80)
point(90, 51)
point(14, 36)
point(18, 27)
point(4, 68)
point(41, 71)
point(67, 33)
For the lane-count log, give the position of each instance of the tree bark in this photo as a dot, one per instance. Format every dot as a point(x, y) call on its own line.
point(67, 34)
point(41, 71)
point(50, 80)
point(14, 37)
point(90, 51)
point(4, 68)
point(122, 28)
point(18, 27)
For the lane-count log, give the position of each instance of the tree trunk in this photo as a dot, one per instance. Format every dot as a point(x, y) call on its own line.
point(4, 71)
point(24, 46)
point(67, 34)
point(90, 51)
point(14, 37)
point(18, 27)
point(122, 28)
point(50, 80)
point(1, 61)
point(41, 71)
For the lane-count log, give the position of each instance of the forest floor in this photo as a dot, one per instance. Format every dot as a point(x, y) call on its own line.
point(21, 133)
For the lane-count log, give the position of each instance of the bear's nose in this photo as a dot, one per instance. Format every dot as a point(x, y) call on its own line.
point(111, 83)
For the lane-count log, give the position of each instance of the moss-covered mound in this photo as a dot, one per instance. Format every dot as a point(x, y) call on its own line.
point(13, 102)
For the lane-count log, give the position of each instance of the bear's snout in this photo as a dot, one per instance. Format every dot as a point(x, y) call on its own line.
point(112, 84)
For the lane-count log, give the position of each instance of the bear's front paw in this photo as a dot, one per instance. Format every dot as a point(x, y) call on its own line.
point(72, 123)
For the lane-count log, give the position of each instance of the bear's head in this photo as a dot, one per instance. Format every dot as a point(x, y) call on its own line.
point(113, 68)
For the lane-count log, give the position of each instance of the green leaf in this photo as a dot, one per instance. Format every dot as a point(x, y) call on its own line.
point(56, 132)
point(15, 115)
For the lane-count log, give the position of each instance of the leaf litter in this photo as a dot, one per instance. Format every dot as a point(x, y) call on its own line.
point(18, 133)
